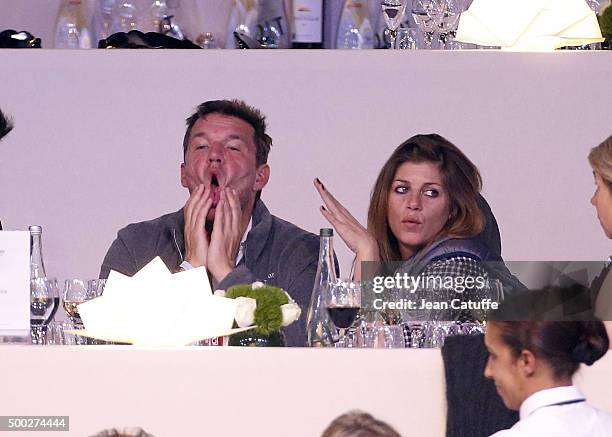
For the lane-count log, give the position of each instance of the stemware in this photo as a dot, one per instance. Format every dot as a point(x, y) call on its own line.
point(343, 302)
point(42, 303)
point(406, 39)
point(446, 17)
point(95, 288)
point(423, 12)
point(76, 292)
point(393, 12)
point(384, 336)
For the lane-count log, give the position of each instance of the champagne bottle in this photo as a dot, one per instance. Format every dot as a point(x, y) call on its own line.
point(320, 330)
point(307, 24)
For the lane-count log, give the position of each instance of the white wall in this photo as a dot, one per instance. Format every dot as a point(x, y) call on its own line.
point(97, 142)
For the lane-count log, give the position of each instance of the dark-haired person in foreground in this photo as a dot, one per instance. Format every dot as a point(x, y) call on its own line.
point(5, 127)
point(532, 364)
point(224, 225)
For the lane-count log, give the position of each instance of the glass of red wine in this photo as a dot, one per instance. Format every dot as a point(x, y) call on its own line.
point(343, 302)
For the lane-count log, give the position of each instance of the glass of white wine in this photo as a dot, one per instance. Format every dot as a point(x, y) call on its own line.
point(393, 12)
point(41, 308)
point(75, 292)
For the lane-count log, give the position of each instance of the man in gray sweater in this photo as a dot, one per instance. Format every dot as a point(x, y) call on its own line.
point(224, 225)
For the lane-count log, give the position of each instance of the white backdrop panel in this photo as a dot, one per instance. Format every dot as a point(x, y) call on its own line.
point(97, 142)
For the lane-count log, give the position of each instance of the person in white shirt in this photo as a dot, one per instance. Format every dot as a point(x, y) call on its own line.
point(532, 364)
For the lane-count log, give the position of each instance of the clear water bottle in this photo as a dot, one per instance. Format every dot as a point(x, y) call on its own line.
point(70, 26)
point(320, 329)
point(37, 265)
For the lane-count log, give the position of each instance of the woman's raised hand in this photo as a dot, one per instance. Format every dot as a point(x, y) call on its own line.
point(356, 237)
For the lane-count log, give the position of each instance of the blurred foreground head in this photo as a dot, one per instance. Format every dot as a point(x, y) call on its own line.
point(6, 125)
point(125, 432)
point(358, 424)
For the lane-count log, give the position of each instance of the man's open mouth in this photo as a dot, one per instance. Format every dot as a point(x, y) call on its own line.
point(215, 191)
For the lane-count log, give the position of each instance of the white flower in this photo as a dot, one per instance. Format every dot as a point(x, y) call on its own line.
point(220, 293)
point(257, 284)
point(291, 312)
point(245, 311)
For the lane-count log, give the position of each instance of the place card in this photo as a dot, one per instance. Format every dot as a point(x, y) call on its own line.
point(14, 283)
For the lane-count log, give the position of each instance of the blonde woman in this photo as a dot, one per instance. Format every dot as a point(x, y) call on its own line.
point(358, 424)
point(600, 159)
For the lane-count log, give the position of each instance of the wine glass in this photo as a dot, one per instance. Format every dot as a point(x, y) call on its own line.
point(343, 302)
point(41, 308)
point(423, 12)
point(447, 18)
point(75, 292)
point(406, 39)
point(95, 287)
point(393, 12)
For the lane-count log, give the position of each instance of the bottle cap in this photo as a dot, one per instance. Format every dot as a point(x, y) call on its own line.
point(326, 232)
point(35, 230)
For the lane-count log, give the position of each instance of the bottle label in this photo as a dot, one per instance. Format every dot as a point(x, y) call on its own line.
point(308, 21)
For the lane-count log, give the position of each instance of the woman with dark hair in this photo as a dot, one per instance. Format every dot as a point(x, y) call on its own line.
point(600, 159)
point(426, 211)
point(532, 364)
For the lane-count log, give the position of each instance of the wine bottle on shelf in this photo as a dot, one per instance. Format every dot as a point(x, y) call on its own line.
point(271, 26)
point(102, 21)
point(308, 27)
point(355, 27)
point(70, 26)
point(321, 332)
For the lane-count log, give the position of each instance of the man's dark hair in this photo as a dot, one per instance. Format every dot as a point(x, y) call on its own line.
point(239, 109)
point(6, 125)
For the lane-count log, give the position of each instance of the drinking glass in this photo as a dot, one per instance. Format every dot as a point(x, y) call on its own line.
point(423, 12)
point(75, 293)
point(41, 301)
point(41, 308)
point(446, 17)
point(95, 288)
point(55, 334)
point(472, 328)
point(343, 302)
point(376, 335)
point(406, 39)
point(437, 332)
point(415, 334)
point(393, 12)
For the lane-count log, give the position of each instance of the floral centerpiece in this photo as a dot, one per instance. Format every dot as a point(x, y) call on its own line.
point(268, 308)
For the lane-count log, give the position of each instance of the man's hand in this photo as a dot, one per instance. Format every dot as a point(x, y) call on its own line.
point(226, 235)
point(196, 240)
